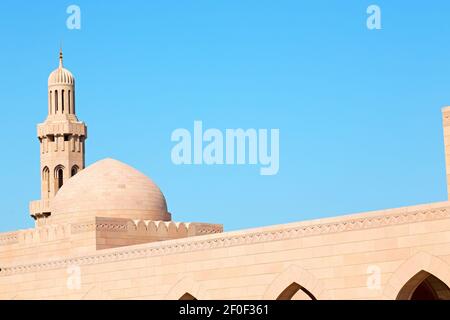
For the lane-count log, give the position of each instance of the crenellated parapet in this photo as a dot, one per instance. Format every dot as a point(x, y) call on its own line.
point(8, 238)
point(38, 235)
point(114, 232)
point(94, 234)
point(162, 228)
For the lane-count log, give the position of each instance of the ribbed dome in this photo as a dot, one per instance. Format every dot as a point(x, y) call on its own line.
point(61, 75)
point(110, 188)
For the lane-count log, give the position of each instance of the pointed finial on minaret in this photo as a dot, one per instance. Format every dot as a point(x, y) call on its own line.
point(60, 57)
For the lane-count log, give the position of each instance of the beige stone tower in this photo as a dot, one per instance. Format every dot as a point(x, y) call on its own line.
point(61, 137)
point(446, 125)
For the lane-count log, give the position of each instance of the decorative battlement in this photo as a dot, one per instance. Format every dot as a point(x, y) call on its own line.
point(109, 231)
point(114, 232)
point(163, 228)
point(36, 235)
point(9, 238)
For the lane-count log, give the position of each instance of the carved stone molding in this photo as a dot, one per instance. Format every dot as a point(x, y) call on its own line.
point(227, 240)
point(82, 227)
point(9, 238)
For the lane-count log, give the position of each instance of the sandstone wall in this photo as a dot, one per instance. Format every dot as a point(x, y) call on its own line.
point(331, 258)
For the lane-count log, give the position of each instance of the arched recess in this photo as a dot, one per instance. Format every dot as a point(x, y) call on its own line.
point(296, 292)
point(186, 287)
point(74, 170)
point(59, 177)
point(424, 286)
point(423, 272)
point(46, 182)
point(187, 296)
point(295, 282)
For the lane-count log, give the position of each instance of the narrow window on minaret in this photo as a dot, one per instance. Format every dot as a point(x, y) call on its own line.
point(68, 103)
point(60, 177)
point(50, 101)
point(56, 101)
point(73, 143)
point(62, 101)
point(46, 181)
point(74, 170)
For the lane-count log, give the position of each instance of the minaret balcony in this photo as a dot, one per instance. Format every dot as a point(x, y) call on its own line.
point(40, 208)
point(61, 128)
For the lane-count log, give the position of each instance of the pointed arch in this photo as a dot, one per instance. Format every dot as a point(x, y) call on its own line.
point(293, 280)
point(74, 170)
point(59, 177)
point(424, 286)
point(413, 272)
point(186, 288)
point(187, 296)
point(293, 290)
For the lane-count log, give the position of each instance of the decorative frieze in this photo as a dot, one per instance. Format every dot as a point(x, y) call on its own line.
point(236, 239)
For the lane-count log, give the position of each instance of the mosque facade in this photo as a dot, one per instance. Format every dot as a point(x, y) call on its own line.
point(105, 232)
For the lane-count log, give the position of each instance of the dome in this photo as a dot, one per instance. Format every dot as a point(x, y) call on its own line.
point(110, 188)
point(61, 76)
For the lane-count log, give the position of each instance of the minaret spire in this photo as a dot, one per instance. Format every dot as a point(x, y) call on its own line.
point(60, 57)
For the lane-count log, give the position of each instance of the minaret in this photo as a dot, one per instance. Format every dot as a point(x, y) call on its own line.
point(62, 139)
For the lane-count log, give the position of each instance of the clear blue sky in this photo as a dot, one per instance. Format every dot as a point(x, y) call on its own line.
point(359, 111)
